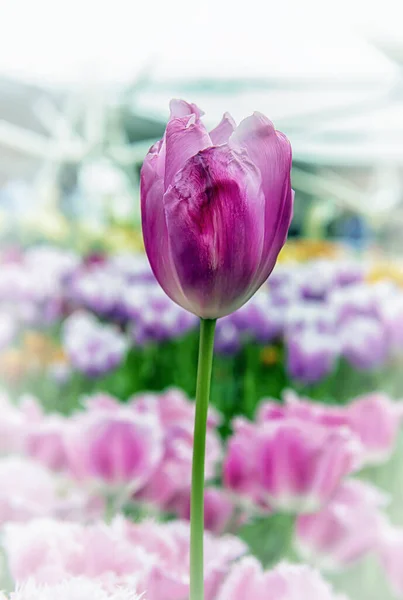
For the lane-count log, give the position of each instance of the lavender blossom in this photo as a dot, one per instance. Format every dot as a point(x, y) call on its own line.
point(92, 348)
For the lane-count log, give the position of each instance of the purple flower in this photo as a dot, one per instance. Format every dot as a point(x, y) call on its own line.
point(98, 289)
point(311, 355)
point(364, 342)
point(260, 319)
point(154, 316)
point(92, 348)
point(227, 337)
point(216, 208)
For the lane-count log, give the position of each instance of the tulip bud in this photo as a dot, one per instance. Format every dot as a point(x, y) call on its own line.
point(216, 208)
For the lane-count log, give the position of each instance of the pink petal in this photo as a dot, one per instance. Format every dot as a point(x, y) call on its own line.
point(181, 108)
point(271, 153)
point(243, 581)
point(155, 231)
point(223, 131)
point(184, 137)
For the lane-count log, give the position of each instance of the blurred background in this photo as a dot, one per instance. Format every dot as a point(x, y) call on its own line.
point(84, 92)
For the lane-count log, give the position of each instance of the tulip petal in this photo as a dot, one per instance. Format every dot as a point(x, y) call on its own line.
point(213, 211)
point(155, 233)
point(184, 137)
point(242, 582)
point(223, 131)
point(271, 152)
point(181, 108)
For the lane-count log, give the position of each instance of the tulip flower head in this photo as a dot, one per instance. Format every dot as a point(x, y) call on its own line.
point(216, 207)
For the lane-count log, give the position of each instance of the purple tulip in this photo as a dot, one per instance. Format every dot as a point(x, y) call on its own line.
point(216, 208)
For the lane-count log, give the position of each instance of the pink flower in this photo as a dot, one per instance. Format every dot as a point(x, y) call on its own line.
point(169, 578)
point(147, 556)
point(12, 427)
point(173, 475)
point(289, 464)
point(116, 447)
point(49, 551)
point(216, 208)
point(218, 509)
point(285, 582)
point(390, 553)
point(345, 530)
point(376, 420)
point(27, 490)
point(302, 408)
point(240, 470)
point(172, 407)
point(74, 588)
point(300, 464)
point(44, 441)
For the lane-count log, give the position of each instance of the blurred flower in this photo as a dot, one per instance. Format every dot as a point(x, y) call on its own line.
point(47, 551)
point(171, 479)
point(44, 441)
point(8, 330)
point(311, 355)
point(146, 556)
point(99, 289)
point(134, 268)
point(92, 348)
point(120, 448)
point(300, 465)
point(13, 427)
point(27, 490)
point(154, 316)
point(364, 343)
point(74, 588)
point(219, 509)
point(293, 465)
point(376, 420)
point(240, 470)
point(345, 530)
point(169, 577)
point(227, 336)
point(390, 553)
point(284, 582)
point(216, 208)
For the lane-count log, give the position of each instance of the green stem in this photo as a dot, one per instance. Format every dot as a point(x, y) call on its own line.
point(206, 346)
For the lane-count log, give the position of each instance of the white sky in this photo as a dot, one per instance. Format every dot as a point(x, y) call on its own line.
point(66, 41)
